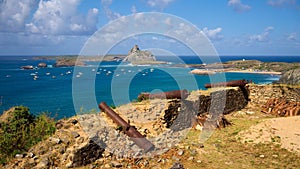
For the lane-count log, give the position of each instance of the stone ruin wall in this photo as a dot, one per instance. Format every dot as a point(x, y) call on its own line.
point(260, 94)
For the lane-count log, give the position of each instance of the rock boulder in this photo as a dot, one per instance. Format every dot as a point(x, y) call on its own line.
point(42, 65)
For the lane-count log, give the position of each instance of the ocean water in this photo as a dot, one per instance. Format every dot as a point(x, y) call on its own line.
point(55, 89)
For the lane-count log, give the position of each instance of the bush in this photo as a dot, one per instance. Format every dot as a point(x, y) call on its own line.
point(21, 130)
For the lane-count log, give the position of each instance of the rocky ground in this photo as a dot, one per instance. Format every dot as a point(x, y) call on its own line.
point(253, 140)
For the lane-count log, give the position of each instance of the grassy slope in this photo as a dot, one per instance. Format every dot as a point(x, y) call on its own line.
point(223, 150)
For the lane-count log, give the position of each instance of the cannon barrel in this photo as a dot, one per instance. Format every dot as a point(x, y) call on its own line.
point(131, 131)
point(174, 94)
point(233, 83)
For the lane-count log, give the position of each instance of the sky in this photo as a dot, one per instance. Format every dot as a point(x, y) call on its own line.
point(234, 27)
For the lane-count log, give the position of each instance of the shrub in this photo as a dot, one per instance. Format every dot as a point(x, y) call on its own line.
point(21, 130)
point(113, 106)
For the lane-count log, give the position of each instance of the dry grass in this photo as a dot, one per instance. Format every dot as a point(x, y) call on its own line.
point(223, 150)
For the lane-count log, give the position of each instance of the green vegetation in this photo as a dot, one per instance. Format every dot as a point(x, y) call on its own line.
point(112, 106)
point(249, 64)
point(20, 130)
point(142, 97)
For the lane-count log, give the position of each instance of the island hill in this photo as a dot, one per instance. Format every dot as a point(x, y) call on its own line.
point(135, 56)
point(243, 66)
point(140, 57)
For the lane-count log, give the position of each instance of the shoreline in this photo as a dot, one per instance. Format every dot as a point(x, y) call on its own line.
point(213, 71)
point(254, 72)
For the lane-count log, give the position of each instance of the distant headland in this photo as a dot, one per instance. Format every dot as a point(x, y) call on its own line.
point(135, 56)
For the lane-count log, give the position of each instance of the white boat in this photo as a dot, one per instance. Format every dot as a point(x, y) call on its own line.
point(47, 73)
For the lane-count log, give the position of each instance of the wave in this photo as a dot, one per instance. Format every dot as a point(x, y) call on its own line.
point(273, 78)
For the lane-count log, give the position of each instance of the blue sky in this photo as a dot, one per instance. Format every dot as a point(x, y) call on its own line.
point(235, 27)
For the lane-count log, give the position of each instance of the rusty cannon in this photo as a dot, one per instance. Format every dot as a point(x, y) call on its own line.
point(174, 94)
point(129, 130)
point(233, 83)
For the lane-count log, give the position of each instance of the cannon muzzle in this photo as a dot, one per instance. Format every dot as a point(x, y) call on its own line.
point(233, 83)
point(174, 94)
point(129, 130)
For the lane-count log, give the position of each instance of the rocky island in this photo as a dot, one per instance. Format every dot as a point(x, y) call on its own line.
point(68, 62)
point(140, 57)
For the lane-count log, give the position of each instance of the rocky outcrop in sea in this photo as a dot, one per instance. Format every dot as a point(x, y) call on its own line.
point(137, 56)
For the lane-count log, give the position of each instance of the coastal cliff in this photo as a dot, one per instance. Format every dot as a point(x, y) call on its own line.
point(291, 77)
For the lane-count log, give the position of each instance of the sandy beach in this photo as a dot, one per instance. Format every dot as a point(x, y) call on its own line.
point(213, 71)
point(256, 72)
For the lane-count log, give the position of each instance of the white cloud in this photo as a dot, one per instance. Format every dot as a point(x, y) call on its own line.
point(159, 3)
point(154, 38)
point(292, 36)
point(60, 17)
point(281, 3)
point(269, 28)
point(111, 15)
point(133, 9)
point(13, 14)
point(238, 6)
point(263, 36)
point(213, 34)
point(168, 21)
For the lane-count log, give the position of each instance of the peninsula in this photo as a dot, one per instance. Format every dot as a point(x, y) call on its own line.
point(244, 66)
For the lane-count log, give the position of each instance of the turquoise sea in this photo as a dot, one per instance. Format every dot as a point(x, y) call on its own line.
point(50, 89)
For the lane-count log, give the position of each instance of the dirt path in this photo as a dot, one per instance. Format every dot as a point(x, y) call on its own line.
point(284, 131)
